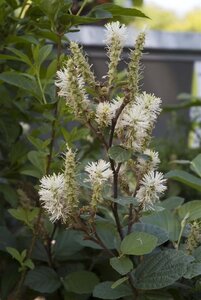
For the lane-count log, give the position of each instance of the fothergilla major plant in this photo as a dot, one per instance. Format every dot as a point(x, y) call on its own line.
point(113, 204)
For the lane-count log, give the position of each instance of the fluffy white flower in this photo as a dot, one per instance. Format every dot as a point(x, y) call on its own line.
point(104, 114)
point(152, 185)
point(150, 104)
point(51, 194)
point(98, 171)
point(115, 104)
point(62, 82)
point(152, 163)
point(115, 31)
point(135, 117)
point(134, 124)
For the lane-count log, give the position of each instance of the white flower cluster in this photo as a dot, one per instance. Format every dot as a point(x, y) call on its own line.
point(152, 186)
point(149, 164)
point(105, 112)
point(59, 193)
point(52, 197)
point(115, 31)
point(72, 87)
point(115, 38)
point(137, 120)
point(98, 173)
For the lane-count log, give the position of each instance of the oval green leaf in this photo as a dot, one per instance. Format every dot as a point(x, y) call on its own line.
point(138, 243)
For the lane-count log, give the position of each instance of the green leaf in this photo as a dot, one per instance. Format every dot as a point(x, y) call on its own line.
point(15, 254)
point(38, 143)
point(196, 165)
point(104, 291)
point(81, 282)
point(119, 282)
point(161, 269)
point(29, 263)
point(185, 178)
point(192, 209)
point(9, 194)
point(165, 220)
point(9, 57)
point(158, 232)
point(25, 215)
point(21, 55)
point(125, 201)
point(21, 81)
point(119, 153)
point(107, 233)
point(193, 270)
point(51, 70)
point(44, 52)
point(197, 254)
point(6, 239)
point(38, 160)
point(67, 244)
point(43, 280)
point(39, 252)
point(9, 278)
point(118, 11)
point(31, 172)
point(172, 202)
point(122, 265)
point(138, 243)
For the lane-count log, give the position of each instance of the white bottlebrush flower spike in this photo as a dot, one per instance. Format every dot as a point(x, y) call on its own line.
point(104, 114)
point(134, 124)
point(62, 82)
point(150, 104)
point(51, 194)
point(117, 31)
point(152, 186)
point(145, 165)
point(72, 87)
point(98, 171)
point(115, 38)
point(115, 104)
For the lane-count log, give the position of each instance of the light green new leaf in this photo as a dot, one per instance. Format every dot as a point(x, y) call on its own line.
point(29, 263)
point(122, 265)
point(15, 254)
point(119, 282)
point(138, 243)
point(25, 215)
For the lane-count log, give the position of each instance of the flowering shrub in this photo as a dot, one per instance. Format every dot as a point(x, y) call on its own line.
point(113, 203)
point(93, 227)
